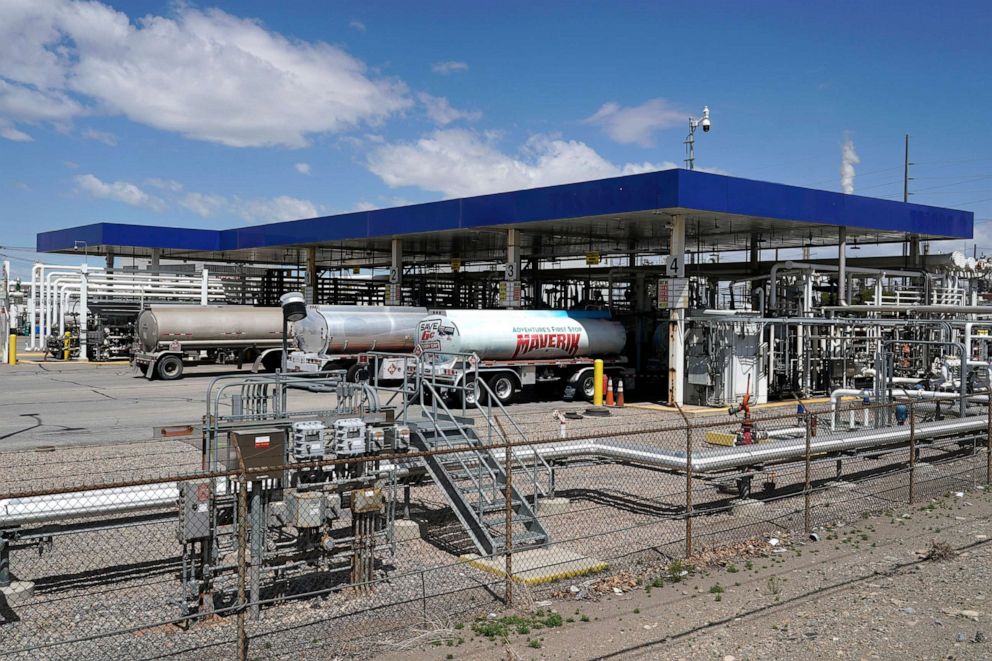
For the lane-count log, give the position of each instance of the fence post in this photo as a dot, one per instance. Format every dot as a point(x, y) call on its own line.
point(242, 564)
point(988, 441)
point(688, 488)
point(806, 490)
point(508, 530)
point(912, 453)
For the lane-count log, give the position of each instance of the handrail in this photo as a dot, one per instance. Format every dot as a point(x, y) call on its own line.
point(489, 418)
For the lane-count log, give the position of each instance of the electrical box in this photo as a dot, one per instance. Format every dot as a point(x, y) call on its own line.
point(305, 509)
point(376, 439)
point(366, 500)
point(194, 510)
point(349, 437)
point(309, 440)
point(260, 448)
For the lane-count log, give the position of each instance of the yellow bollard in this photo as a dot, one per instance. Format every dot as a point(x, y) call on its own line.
point(66, 344)
point(597, 387)
point(12, 349)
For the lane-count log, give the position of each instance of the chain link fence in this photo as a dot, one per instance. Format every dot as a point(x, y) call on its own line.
point(97, 559)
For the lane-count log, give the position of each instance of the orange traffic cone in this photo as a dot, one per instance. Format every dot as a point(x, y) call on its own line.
point(620, 394)
point(609, 392)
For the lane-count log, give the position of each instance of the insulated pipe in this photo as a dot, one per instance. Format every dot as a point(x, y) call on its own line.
point(728, 458)
point(842, 266)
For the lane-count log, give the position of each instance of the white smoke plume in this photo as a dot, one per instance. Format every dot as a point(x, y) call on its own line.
point(849, 158)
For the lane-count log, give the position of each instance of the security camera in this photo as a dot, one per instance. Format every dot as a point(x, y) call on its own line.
point(706, 119)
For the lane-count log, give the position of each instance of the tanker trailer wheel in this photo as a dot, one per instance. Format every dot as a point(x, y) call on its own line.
point(587, 386)
point(504, 387)
point(358, 372)
point(169, 368)
point(471, 394)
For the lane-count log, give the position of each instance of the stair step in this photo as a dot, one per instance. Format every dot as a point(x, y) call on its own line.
point(501, 521)
point(461, 474)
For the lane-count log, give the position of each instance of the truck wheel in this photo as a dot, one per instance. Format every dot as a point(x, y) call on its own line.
point(587, 386)
point(504, 387)
point(170, 368)
point(358, 372)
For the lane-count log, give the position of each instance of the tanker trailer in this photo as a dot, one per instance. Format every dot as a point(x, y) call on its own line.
point(169, 337)
point(520, 349)
point(332, 337)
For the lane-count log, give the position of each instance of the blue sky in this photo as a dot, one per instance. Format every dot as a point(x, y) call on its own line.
point(229, 113)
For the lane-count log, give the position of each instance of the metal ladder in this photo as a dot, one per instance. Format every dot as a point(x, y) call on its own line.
point(474, 480)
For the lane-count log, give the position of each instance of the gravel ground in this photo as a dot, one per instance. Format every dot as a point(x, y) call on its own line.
point(867, 590)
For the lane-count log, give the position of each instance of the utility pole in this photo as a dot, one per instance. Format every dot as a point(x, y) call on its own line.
point(910, 248)
point(905, 173)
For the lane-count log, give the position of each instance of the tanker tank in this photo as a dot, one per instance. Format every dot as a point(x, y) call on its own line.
point(522, 334)
point(209, 326)
point(351, 329)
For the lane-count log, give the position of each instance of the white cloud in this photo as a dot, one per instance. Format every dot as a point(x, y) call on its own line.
point(261, 209)
point(203, 73)
point(283, 207)
point(10, 133)
point(302, 168)
point(121, 191)
point(459, 162)
point(170, 185)
point(449, 67)
point(441, 112)
point(637, 124)
point(21, 186)
point(204, 204)
point(101, 136)
point(364, 205)
point(357, 26)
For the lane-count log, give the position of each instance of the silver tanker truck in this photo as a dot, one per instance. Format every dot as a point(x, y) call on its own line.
point(521, 349)
point(169, 337)
point(332, 337)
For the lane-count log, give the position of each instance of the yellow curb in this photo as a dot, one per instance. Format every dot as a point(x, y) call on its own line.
point(477, 562)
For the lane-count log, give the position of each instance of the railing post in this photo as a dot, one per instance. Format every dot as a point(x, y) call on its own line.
point(508, 532)
point(912, 453)
point(807, 489)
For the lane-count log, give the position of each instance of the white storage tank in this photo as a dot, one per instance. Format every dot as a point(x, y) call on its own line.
point(521, 334)
point(350, 329)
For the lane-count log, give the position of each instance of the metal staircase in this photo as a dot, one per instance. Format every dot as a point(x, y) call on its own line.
point(473, 477)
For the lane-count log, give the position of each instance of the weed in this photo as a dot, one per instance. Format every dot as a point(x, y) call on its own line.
point(749, 565)
point(774, 584)
point(584, 618)
point(732, 569)
point(716, 589)
point(534, 643)
point(940, 551)
point(502, 627)
point(636, 611)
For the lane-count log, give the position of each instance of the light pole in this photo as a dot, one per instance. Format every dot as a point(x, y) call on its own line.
point(294, 308)
point(690, 140)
